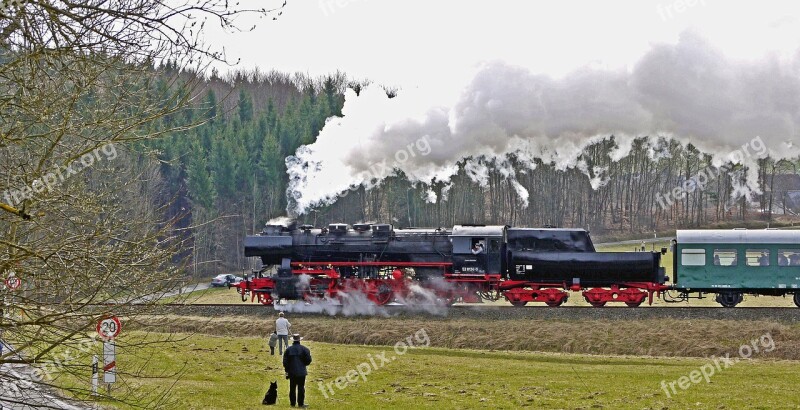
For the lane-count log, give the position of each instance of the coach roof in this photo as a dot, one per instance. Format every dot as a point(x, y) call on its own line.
point(765, 236)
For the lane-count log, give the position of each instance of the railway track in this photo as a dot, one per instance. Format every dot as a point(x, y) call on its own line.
point(780, 314)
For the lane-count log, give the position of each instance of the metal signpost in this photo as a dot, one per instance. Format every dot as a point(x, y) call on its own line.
point(12, 282)
point(108, 328)
point(94, 375)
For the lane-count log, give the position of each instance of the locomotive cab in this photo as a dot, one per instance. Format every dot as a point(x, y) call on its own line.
point(477, 250)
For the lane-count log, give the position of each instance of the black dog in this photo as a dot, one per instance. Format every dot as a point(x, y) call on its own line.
point(272, 394)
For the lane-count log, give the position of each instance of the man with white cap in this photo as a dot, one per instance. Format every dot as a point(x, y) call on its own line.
point(295, 360)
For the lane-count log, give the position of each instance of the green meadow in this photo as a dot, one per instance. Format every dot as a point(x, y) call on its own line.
point(218, 372)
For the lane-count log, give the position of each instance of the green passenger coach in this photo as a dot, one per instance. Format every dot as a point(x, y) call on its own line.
point(730, 263)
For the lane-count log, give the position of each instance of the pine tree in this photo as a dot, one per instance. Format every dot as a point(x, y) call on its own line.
point(211, 106)
point(201, 187)
point(245, 106)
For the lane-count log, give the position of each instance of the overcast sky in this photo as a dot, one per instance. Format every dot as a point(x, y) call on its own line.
point(486, 79)
point(414, 43)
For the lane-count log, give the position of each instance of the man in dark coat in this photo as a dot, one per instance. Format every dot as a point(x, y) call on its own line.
point(295, 360)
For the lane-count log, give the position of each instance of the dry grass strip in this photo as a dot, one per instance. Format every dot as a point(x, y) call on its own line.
point(669, 338)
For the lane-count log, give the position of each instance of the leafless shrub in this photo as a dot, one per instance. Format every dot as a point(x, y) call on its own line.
point(82, 224)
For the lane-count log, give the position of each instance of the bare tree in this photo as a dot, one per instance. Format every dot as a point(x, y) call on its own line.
point(82, 219)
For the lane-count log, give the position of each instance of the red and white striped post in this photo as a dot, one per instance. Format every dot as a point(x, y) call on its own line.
point(109, 364)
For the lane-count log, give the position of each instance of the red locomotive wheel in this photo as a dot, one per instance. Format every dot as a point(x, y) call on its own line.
point(518, 303)
point(633, 304)
point(555, 303)
point(597, 304)
point(265, 298)
point(382, 294)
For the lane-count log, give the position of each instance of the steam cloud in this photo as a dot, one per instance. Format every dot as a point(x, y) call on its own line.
point(280, 220)
point(687, 91)
point(354, 303)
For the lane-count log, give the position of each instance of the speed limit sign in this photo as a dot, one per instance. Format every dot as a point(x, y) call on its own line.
point(108, 328)
point(13, 282)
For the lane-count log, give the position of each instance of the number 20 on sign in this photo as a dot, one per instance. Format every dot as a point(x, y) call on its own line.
point(13, 282)
point(109, 327)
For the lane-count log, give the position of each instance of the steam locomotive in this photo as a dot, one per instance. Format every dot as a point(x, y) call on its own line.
point(468, 263)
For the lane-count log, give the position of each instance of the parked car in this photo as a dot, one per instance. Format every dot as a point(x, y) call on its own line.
point(225, 280)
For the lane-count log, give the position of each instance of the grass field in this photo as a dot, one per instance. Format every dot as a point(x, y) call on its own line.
point(233, 373)
point(221, 295)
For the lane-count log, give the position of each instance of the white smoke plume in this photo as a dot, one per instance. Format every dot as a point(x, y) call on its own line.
point(350, 303)
point(421, 299)
point(355, 303)
point(303, 282)
point(322, 306)
point(280, 221)
point(688, 91)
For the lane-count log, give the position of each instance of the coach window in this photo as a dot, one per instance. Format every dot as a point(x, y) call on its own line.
point(725, 257)
point(788, 257)
point(693, 257)
point(757, 257)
